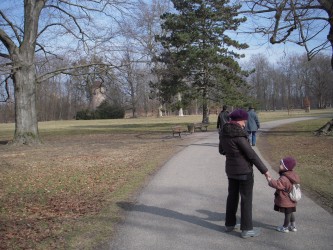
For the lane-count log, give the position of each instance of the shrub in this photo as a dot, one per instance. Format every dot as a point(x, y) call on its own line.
point(84, 115)
point(108, 111)
point(103, 111)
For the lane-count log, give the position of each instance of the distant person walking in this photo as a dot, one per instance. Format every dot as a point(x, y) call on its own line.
point(240, 158)
point(223, 118)
point(252, 126)
point(282, 201)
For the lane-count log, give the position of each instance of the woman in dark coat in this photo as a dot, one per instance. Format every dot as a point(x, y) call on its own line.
point(240, 158)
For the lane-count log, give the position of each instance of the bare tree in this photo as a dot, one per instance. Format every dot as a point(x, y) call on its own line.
point(319, 80)
point(260, 79)
point(292, 80)
point(140, 32)
point(44, 26)
point(131, 77)
point(301, 22)
point(276, 85)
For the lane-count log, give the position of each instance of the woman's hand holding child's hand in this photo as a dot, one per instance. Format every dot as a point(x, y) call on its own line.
point(268, 176)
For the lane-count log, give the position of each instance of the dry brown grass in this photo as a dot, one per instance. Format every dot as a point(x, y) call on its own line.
point(49, 194)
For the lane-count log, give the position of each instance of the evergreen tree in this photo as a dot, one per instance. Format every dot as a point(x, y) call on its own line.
point(197, 49)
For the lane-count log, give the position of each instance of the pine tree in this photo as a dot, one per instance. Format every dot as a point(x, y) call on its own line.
point(197, 49)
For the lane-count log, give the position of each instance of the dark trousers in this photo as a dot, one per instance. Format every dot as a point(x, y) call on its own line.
point(244, 188)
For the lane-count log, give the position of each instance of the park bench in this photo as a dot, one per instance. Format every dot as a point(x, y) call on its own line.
point(201, 126)
point(178, 130)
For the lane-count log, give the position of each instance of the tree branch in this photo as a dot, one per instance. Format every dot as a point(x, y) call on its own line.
point(4, 55)
point(5, 39)
point(71, 16)
point(66, 70)
point(12, 26)
point(58, 24)
point(252, 5)
point(5, 81)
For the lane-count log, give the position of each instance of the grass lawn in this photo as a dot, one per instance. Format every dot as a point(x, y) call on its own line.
point(313, 154)
point(62, 194)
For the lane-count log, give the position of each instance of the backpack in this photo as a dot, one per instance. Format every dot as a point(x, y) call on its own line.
point(295, 194)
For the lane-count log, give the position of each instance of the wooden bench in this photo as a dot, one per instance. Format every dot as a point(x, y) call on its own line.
point(177, 130)
point(201, 126)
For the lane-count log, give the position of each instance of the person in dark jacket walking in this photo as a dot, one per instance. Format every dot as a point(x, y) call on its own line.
point(223, 118)
point(240, 158)
point(252, 125)
point(282, 201)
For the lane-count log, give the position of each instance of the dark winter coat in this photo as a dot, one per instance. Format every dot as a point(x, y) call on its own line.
point(252, 123)
point(283, 186)
point(240, 156)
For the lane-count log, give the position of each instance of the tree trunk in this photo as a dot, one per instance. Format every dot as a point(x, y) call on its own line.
point(325, 130)
point(180, 111)
point(24, 75)
point(205, 113)
point(160, 113)
point(26, 123)
point(327, 5)
point(134, 113)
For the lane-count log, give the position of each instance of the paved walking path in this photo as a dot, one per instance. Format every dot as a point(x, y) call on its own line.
point(183, 207)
